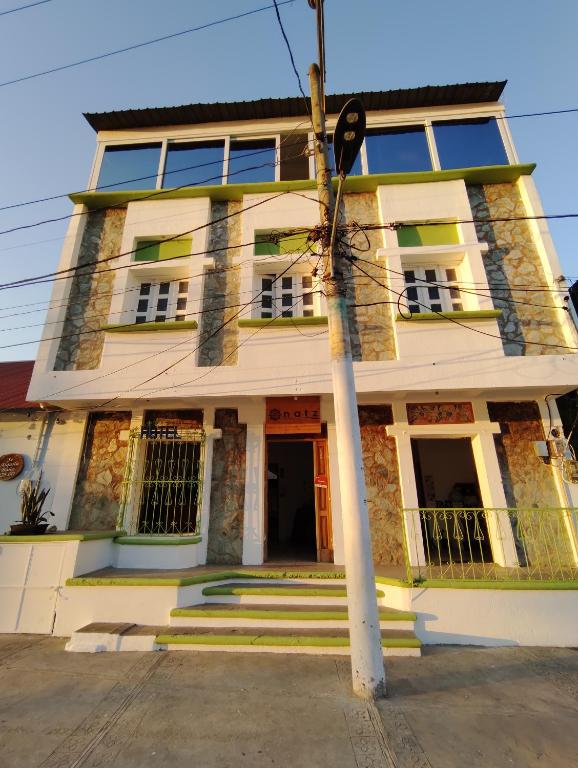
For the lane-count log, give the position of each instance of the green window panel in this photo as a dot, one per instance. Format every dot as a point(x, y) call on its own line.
point(293, 243)
point(427, 234)
point(155, 250)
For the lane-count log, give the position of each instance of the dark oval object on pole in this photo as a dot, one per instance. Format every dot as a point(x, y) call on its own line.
point(348, 136)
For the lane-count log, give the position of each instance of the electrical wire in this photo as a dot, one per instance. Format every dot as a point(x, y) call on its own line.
point(24, 7)
point(139, 45)
point(292, 58)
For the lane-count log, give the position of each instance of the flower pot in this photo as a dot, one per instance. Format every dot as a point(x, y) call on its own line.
point(21, 529)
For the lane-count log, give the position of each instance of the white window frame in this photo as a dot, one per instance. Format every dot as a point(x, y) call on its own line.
point(175, 294)
point(449, 297)
point(270, 137)
point(280, 289)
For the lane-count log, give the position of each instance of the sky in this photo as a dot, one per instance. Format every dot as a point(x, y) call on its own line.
point(46, 146)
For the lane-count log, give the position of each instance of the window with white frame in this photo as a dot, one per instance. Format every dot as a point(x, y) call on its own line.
point(289, 295)
point(432, 289)
point(162, 302)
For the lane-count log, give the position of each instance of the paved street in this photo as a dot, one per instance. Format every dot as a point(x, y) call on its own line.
point(511, 707)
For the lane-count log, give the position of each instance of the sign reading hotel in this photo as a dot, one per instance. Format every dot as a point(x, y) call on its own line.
point(293, 415)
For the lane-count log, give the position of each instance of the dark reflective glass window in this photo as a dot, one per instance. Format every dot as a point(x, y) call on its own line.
point(130, 167)
point(355, 170)
point(259, 165)
point(397, 150)
point(194, 164)
point(469, 143)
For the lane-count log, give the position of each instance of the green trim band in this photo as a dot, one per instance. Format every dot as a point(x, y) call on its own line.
point(528, 585)
point(184, 325)
point(276, 640)
point(463, 314)
point(281, 590)
point(288, 615)
point(205, 578)
point(491, 174)
point(282, 322)
point(158, 541)
point(49, 537)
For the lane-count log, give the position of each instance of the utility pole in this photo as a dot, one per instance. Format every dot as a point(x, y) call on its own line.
point(367, 666)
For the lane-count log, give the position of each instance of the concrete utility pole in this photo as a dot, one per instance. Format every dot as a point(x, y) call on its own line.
point(367, 667)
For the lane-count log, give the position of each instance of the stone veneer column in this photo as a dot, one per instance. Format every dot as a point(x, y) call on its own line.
point(90, 293)
point(225, 534)
point(513, 259)
point(221, 288)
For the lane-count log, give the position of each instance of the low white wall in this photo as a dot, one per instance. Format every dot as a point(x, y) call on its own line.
point(156, 555)
point(496, 616)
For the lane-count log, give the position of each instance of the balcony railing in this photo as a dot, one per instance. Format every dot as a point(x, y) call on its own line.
point(491, 544)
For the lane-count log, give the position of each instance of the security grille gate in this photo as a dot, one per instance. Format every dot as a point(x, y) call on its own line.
point(162, 488)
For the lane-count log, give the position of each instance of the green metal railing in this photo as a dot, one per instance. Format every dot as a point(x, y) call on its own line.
point(162, 487)
point(491, 544)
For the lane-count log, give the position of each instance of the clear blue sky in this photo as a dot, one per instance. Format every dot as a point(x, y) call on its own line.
point(47, 147)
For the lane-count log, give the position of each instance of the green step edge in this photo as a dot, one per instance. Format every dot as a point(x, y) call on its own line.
point(281, 591)
point(156, 541)
point(62, 536)
point(276, 640)
point(205, 578)
point(253, 613)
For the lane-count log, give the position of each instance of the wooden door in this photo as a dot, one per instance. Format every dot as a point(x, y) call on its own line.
point(322, 502)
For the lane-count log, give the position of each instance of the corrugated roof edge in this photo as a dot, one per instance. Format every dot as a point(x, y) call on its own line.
point(187, 114)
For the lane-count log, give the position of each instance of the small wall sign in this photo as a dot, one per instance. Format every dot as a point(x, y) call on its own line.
point(11, 465)
point(293, 415)
point(151, 431)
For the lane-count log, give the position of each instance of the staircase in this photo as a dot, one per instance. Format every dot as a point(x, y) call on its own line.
point(281, 616)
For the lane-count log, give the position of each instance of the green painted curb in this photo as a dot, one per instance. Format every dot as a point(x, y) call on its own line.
point(476, 314)
point(500, 585)
point(184, 325)
point(205, 578)
point(276, 640)
point(282, 322)
point(491, 174)
point(281, 590)
point(254, 613)
point(48, 537)
point(157, 541)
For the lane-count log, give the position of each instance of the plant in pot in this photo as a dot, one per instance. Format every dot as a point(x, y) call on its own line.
point(32, 519)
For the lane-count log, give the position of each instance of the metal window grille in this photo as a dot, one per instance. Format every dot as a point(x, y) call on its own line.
point(162, 488)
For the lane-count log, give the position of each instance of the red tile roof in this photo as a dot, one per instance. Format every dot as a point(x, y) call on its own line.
point(14, 381)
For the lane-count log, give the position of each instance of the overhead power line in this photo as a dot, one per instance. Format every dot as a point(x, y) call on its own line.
point(292, 58)
point(24, 7)
point(133, 47)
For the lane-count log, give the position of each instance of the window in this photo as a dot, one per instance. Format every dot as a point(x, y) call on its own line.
point(422, 296)
point(397, 150)
point(258, 166)
point(287, 296)
point(191, 164)
point(159, 250)
point(159, 302)
point(412, 235)
point(469, 143)
point(130, 167)
point(356, 169)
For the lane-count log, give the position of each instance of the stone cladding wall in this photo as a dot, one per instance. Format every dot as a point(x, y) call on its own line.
point(528, 482)
point(222, 287)
point(99, 484)
point(382, 484)
point(371, 328)
point(183, 419)
point(225, 541)
point(513, 259)
point(89, 300)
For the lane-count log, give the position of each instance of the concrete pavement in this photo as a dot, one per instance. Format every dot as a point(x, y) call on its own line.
point(511, 707)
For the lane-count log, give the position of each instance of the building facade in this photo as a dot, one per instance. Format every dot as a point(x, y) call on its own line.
point(192, 343)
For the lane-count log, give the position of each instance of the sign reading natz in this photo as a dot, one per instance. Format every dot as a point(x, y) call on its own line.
point(293, 415)
point(11, 465)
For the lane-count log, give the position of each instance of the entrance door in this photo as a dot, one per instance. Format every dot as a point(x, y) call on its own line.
point(298, 509)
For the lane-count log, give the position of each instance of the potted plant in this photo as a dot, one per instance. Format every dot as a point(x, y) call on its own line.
point(33, 519)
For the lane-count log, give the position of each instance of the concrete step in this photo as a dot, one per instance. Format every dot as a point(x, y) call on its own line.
point(280, 615)
point(288, 593)
point(104, 636)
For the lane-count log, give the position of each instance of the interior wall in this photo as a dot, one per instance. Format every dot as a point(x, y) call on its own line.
point(444, 463)
point(295, 482)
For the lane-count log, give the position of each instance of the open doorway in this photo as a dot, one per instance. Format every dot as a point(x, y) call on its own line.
point(446, 479)
point(291, 523)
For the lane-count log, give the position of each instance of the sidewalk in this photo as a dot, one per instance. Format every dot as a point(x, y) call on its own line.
point(511, 707)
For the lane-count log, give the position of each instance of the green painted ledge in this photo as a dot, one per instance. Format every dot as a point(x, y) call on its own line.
point(185, 325)
point(465, 314)
point(286, 615)
point(277, 640)
point(158, 541)
point(282, 322)
point(280, 590)
point(499, 585)
point(491, 174)
point(204, 578)
point(63, 536)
